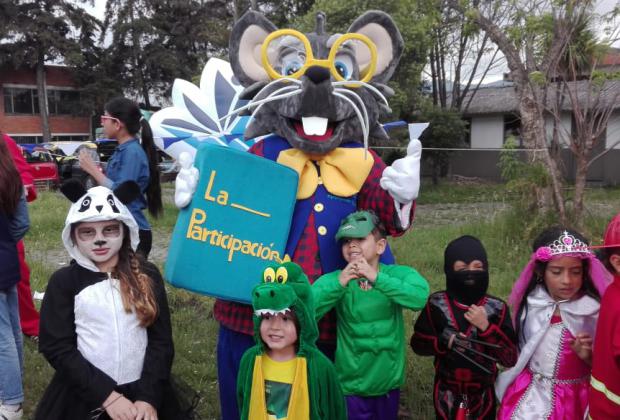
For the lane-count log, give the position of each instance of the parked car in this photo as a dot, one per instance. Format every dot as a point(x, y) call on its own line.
point(69, 164)
point(43, 165)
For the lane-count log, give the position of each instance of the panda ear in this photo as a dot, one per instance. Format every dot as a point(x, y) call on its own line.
point(73, 190)
point(127, 192)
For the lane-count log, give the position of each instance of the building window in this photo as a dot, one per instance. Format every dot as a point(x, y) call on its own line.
point(25, 101)
point(467, 137)
point(27, 139)
point(64, 102)
point(21, 101)
point(512, 128)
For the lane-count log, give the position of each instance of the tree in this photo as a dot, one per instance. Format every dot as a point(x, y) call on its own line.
point(458, 57)
point(446, 130)
point(533, 43)
point(156, 41)
point(589, 94)
point(45, 31)
point(279, 12)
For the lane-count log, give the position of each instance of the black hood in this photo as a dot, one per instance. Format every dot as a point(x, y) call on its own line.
point(468, 286)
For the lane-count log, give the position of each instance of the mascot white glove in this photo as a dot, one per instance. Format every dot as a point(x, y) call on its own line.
point(402, 179)
point(186, 181)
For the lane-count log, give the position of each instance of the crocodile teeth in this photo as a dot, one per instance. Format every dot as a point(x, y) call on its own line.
point(272, 312)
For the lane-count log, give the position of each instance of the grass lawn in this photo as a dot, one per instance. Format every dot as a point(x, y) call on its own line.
point(444, 212)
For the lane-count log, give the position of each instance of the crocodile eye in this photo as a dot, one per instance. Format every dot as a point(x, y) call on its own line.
point(281, 275)
point(269, 275)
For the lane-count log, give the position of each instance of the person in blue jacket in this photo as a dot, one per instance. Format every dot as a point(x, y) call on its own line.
point(135, 159)
point(14, 224)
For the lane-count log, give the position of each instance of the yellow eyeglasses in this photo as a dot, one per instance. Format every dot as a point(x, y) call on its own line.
point(288, 53)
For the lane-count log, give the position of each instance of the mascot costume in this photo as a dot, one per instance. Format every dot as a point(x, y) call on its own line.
point(316, 100)
point(285, 288)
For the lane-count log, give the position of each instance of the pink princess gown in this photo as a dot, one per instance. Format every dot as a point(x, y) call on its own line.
point(554, 385)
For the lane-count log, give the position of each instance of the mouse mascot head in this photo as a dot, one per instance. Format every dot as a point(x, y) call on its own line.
point(316, 90)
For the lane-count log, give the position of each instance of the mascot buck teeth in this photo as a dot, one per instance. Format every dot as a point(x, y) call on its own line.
point(319, 97)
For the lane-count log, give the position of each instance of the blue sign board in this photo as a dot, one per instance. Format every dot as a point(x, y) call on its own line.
point(237, 222)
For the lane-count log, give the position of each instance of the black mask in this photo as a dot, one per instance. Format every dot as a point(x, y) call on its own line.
point(466, 287)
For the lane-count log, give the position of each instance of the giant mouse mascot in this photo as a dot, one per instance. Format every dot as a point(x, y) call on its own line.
point(321, 95)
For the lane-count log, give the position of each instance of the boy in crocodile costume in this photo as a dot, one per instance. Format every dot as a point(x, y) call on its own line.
point(285, 376)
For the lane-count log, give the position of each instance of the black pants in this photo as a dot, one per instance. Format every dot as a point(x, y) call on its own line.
point(146, 241)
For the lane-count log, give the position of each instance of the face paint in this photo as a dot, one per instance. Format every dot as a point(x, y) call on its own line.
point(99, 241)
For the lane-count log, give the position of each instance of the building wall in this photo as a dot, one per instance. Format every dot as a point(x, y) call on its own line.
point(30, 125)
point(487, 131)
point(484, 164)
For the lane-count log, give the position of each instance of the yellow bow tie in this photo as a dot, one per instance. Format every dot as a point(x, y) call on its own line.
point(343, 170)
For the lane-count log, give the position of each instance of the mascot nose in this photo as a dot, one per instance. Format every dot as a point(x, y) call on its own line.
point(317, 74)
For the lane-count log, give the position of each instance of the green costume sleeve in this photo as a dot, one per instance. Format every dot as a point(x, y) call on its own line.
point(327, 291)
point(244, 382)
point(403, 285)
point(327, 399)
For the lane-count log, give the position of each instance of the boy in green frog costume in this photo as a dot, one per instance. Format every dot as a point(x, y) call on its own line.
point(285, 376)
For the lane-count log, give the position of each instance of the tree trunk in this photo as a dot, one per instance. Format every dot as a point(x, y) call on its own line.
point(42, 95)
point(580, 186)
point(534, 137)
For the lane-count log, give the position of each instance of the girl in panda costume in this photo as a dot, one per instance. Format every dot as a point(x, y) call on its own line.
point(105, 323)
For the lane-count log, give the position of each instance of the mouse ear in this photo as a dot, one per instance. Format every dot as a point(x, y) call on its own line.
point(244, 48)
point(127, 192)
point(382, 31)
point(73, 190)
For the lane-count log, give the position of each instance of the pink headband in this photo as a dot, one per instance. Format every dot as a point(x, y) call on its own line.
point(565, 246)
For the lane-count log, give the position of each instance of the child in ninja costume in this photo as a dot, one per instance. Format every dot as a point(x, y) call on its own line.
point(604, 396)
point(468, 332)
point(105, 324)
point(369, 298)
point(285, 376)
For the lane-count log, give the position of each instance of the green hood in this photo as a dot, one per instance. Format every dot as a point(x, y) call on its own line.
point(286, 287)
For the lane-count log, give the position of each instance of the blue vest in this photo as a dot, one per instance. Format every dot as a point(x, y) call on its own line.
point(9, 263)
point(328, 210)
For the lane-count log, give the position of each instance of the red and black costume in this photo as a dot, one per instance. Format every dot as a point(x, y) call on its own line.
point(462, 372)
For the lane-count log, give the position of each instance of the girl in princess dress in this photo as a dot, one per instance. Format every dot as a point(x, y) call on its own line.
point(556, 306)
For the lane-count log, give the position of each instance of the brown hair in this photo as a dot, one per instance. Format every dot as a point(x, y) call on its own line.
point(136, 287)
point(137, 291)
point(10, 182)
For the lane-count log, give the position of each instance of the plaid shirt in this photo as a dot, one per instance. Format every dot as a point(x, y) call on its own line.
point(238, 317)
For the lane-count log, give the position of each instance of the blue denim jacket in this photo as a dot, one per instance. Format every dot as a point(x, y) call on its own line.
point(12, 229)
point(129, 163)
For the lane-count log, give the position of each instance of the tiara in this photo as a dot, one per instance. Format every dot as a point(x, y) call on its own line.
point(565, 244)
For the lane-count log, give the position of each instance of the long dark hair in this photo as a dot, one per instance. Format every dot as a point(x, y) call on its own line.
point(129, 113)
point(11, 188)
point(547, 237)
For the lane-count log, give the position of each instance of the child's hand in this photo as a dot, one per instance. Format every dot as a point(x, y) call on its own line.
point(145, 411)
point(86, 162)
point(447, 336)
point(119, 408)
point(365, 270)
point(347, 274)
point(477, 316)
point(582, 346)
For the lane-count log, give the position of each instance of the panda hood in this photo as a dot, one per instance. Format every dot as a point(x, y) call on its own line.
point(98, 204)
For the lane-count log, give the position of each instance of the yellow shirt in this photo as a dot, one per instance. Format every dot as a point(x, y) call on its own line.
point(279, 390)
